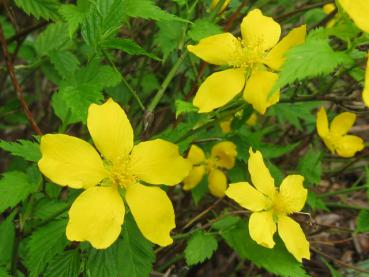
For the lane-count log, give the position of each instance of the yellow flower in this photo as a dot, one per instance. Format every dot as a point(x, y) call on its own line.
point(335, 137)
point(358, 10)
point(98, 212)
point(271, 207)
point(223, 156)
point(247, 56)
point(327, 9)
point(224, 6)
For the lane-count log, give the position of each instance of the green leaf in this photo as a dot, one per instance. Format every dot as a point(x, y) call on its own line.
point(15, 186)
point(103, 263)
point(277, 260)
point(200, 247)
point(362, 221)
point(64, 62)
point(4, 272)
point(312, 59)
point(65, 264)
point(28, 150)
point(315, 202)
point(168, 37)
point(47, 9)
point(44, 244)
point(7, 236)
point(75, 14)
point(54, 37)
point(47, 208)
point(184, 107)
point(202, 28)
point(226, 223)
point(310, 166)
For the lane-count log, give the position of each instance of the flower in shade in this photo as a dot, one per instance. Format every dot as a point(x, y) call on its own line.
point(272, 206)
point(335, 136)
point(358, 10)
point(119, 173)
point(247, 59)
point(223, 155)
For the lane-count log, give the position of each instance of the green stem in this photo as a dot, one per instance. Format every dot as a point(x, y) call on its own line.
point(159, 94)
point(343, 191)
point(345, 206)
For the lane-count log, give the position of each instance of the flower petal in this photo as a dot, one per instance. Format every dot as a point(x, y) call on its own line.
point(225, 154)
point(217, 182)
point(342, 123)
point(110, 130)
point(292, 193)
point(322, 125)
point(153, 212)
point(194, 177)
point(358, 10)
point(220, 49)
point(260, 175)
point(262, 228)
point(348, 145)
point(247, 196)
point(158, 162)
point(196, 155)
point(96, 216)
point(259, 30)
point(70, 161)
point(366, 85)
point(275, 57)
point(258, 88)
point(293, 237)
point(218, 89)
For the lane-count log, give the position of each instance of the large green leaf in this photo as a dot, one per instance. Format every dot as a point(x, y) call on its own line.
point(65, 264)
point(47, 9)
point(28, 150)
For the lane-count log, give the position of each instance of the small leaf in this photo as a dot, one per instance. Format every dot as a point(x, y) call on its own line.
point(184, 107)
point(362, 221)
point(28, 150)
point(225, 223)
point(200, 247)
point(7, 236)
point(47, 9)
point(310, 166)
point(203, 28)
point(64, 62)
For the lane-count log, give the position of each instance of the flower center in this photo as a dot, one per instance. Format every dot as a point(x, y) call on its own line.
point(121, 173)
point(248, 56)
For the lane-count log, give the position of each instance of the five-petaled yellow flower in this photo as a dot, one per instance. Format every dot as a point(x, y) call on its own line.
point(335, 137)
point(223, 155)
point(98, 213)
point(358, 10)
point(271, 207)
point(247, 56)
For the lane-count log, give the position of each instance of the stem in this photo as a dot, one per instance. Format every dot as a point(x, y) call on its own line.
point(302, 9)
point(343, 191)
point(344, 206)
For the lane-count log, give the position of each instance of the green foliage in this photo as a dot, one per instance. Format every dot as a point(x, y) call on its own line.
point(75, 14)
point(128, 46)
point(15, 186)
point(362, 221)
point(200, 247)
point(65, 264)
point(44, 244)
point(47, 9)
point(28, 150)
point(53, 38)
point(184, 107)
point(310, 166)
point(276, 260)
point(7, 237)
point(202, 28)
point(4, 272)
point(65, 62)
point(103, 263)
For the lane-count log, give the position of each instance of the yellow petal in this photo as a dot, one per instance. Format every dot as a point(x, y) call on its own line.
point(260, 175)
point(158, 162)
point(218, 49)
point(70, 161)
point(259, 30)
point(252, 119)
point(225, 154)
point(348, 145)
point(366, 85)
point(224, 6)
point(194, 177)
point(358, 10)
point(328, 8)
point(96, 216)
point(217, 183)
point(247, 196)
point(342, 123)
point(153, 212)
point(322, 123)
point(292, 193)
point(275, 57)
point(257, 90)
point(110, 130)
point(262, 228)
point(196, 155)
point(293, 237)
point(218, 89)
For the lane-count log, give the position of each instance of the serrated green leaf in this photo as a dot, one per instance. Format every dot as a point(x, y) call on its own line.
point(362, 221)
point(47, 9)
point(184, 107)
point(136, 254)
point(103, 263)
point(44, 244)
point(28, 150)
point(64, 62)
point(75, 14)
point(310, 166)
point(47, 208)
point(203, 28)
point(65, 264)
point(226, 223)
point(200, 247)
point(15, 186)
point(7, 236)
point(312, 59)
point(277, 260)
point(168, 37)
point(54, 37)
